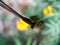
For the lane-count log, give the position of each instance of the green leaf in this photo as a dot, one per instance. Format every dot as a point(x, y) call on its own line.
point(17, 41)
point(34, 43)
point(29, 41)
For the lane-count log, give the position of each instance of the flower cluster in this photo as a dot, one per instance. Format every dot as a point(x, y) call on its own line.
point(48, 10)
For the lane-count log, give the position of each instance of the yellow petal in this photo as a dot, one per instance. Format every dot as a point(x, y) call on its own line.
point(49, 8)
point(21, 25)
point(45, 11)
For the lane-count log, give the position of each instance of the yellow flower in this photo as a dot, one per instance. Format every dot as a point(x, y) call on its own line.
point(45, 11)
point(48, 10)
point(21, 25)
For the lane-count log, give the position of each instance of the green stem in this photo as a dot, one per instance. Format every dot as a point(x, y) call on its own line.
point(17, 41)
point(34, 43)
point(29, 41)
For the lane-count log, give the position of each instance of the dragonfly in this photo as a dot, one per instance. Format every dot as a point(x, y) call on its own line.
point(7, 7)
point(31, 21)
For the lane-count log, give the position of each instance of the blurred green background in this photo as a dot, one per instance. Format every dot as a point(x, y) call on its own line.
point(47, 33)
